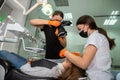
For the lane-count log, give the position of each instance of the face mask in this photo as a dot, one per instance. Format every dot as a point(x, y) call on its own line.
point(83, 34)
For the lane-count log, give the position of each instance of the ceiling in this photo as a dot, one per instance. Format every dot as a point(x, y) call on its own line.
point(90, 7)
point(83, 7)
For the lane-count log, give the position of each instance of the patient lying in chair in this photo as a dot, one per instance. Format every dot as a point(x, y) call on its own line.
point(61, 71)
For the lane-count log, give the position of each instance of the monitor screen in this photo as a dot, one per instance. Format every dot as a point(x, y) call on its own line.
point(2, 3)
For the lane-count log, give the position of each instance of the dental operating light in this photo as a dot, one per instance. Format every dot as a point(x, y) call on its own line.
point(47, 10)
point(38, 3)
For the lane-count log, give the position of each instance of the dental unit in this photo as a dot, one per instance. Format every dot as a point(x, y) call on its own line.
point(46, 8)
point(21, 33)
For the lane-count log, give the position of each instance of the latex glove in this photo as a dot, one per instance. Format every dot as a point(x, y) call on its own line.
point(62, 52)
point(56, 33)
point(54, 23)
point(76, 53)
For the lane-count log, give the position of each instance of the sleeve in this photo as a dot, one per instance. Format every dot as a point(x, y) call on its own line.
point(61, 31)
point(57, 70)
point(42, 71)
point(94, 40)
point(27, 67)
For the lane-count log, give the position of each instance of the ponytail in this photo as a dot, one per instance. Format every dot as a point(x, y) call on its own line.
point(111, 41)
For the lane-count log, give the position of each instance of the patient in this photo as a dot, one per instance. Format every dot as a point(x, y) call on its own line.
point(62, 71)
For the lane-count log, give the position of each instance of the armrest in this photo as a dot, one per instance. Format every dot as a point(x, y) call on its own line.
point(2, 72)
point(6, 65)
point(15, 74)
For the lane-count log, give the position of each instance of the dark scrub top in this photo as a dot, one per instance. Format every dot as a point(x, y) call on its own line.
point(53, 45)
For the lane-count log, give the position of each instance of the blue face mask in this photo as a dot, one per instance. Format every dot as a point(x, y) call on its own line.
point(83, 34)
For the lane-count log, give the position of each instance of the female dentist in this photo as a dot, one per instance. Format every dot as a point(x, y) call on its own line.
point(96, 57)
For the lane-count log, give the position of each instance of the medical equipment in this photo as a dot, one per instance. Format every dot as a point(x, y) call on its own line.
point(46, 8)
point(15, 74)
point(20, 33)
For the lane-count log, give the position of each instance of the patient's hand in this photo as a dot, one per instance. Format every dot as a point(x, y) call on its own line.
point(30, 60)
point(66, 63)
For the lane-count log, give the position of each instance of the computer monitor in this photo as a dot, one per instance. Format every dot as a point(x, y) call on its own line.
point(2, 2)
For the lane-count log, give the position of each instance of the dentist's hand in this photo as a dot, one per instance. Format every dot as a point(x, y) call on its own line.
point(54, 23)
point(63, 51)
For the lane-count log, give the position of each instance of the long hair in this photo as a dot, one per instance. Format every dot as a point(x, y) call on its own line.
point(86, 19)
point(72, 73)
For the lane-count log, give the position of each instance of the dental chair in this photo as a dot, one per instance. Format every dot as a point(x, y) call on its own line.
point(7, 70)
point(14, 74)
point(2, 72)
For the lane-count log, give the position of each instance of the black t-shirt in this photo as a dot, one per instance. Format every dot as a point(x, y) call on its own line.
point(53, 45)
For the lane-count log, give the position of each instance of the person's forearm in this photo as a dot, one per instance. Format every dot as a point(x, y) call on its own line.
point(77, 60)
point(38, 22)
point(63, 41)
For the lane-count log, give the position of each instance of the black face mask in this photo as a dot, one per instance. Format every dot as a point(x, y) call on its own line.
point(83, 34)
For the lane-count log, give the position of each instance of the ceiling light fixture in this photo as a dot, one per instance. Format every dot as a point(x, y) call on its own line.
point(68, 16)
point(112, 19)
point(47, 10)
point(39, 2)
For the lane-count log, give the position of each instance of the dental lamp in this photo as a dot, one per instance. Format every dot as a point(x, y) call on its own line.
point(39, 2)
point(47, 10)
